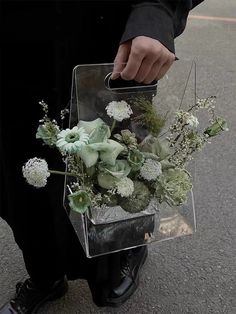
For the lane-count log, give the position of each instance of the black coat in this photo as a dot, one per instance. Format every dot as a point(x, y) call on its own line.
point(41, 43)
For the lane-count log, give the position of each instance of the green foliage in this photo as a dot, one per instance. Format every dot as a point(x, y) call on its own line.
point(147, 115)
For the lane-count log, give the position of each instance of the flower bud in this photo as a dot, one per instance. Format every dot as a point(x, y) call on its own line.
point(216, 128)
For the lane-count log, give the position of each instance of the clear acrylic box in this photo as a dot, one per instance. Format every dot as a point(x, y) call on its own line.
point(111, 229)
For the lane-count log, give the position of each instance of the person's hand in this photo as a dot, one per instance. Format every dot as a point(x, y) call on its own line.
point(147, 60)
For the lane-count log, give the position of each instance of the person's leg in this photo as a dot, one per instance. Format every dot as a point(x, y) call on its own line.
point(131, 262)
point(115, 277)
point(26, 69)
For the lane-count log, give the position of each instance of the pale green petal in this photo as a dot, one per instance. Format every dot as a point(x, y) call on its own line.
point(120, 170)
point(100, 134)
point(79, 201)
point(88, 155)
point(103, 146)
point(89, 126)
point(161, 148)
point(106, 180)
point(111, 153)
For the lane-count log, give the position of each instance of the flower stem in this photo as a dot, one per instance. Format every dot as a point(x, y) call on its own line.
point(113, 125)
point(64, 173)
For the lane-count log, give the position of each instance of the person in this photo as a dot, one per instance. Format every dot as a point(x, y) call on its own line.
point(42, 42)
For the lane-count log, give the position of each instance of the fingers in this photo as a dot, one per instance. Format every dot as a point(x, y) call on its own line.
point(164, 69)
point(120, 60)
point(136, 57)
point(147, 58)
point(158, 71)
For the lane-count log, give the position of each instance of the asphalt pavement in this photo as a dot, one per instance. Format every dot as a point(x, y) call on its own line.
point(194, 274)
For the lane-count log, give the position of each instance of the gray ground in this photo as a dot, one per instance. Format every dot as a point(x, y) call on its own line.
point(194, 274)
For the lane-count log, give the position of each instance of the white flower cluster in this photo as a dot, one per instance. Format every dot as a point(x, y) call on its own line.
point(125, 187)
point(188, 118)
point(35, 171)
point(119, 110)
point(207, 103)
point(192, 120)
point(150, 170)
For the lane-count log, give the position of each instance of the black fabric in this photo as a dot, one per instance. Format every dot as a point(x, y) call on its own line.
point(41, 42)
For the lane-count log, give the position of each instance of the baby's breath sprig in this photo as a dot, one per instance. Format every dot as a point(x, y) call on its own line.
point(63, 113)
point(48, 129)
point(45, 110)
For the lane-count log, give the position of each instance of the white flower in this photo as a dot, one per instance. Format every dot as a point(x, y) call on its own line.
point(119, 110)
point(150, 170)
point(192, 120)
point(125, 187)
point(35, 171)
point(187, 118)
point(71, 140)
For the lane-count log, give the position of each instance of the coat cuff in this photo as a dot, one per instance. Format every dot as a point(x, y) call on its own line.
point(151, 20)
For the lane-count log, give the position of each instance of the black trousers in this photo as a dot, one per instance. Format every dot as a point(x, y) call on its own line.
point(39, 50)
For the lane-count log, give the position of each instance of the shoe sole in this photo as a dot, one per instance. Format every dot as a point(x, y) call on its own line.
point(120, 300)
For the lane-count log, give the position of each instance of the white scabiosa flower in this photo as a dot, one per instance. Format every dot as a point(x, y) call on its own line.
point(150, 170)
point(35, 171)
point(119, 110)
point(72, 140)
point(125, 187)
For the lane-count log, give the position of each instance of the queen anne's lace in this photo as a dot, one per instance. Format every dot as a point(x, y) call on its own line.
point(35, 171)
point(150, 170)
point(119, 110)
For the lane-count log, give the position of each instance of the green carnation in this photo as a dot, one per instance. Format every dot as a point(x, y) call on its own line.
point(173, 186)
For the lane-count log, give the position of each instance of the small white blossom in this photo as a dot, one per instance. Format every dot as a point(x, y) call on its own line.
point(150, 170)
point(192, 120)
point(125, 187)
point(71, 140)
point(35, 171)
point(187, 118)
point(119, 110)
point(207, 103)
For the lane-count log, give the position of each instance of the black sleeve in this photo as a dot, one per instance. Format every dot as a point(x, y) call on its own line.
point(161, 19)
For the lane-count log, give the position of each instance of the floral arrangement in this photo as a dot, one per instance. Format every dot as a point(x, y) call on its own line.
point(111, 165)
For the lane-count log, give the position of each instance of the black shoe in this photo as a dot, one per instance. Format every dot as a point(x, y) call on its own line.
point(29, 298)
point(131, 264)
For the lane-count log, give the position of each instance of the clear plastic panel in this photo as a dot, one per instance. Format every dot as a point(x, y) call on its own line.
point(102, 230)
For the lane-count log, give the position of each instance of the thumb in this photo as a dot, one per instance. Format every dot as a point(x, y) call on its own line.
point(120, 60)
